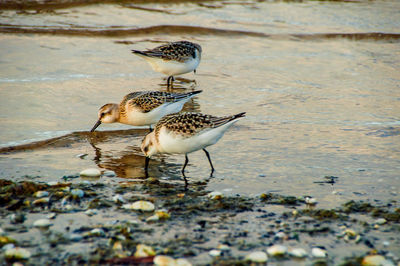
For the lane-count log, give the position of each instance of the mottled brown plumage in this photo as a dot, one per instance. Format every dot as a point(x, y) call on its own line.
point(189, 124)
point(177, 51)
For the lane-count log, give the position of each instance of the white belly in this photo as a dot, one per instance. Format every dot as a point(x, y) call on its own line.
point(172, 143)
point(171, 68)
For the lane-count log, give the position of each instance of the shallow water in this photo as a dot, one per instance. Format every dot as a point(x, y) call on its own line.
point(319, 82)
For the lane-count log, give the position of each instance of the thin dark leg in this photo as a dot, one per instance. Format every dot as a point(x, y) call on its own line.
point(184, 165)
point(209, 160)
point(170, 80)
point(146, 167)
point(151, 130)
point(194, 71)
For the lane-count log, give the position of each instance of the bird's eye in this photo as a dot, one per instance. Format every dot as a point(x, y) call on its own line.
point(102, 114)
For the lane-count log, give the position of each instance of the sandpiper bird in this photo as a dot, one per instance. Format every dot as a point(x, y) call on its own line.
point(186, 133)
point(143, 108)
point(173, 58)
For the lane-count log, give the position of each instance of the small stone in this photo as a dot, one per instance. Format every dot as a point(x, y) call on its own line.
point(162, 260)
point(318, 253)
point(42, 223)
point(351, 233)
point(118, 199)
point(51, 215)
point(224, 247)
point(280, 235)
point(5, 240)
point(277, 250)
point(257, 256)
point(310, 201)
point(380, 221)
point(41, 201)
point(17, 218)
point(97, 232)
point(66, 189)
point(41, 194)
point(77, 193)
point(117, 246)
point(144, 251)
point(75, 237)
point(153, 218)
point(109, 173)
point(17, 253)
point(298, 253)
point(90, 172)
point(376, 260)
point(163, 214)
point(215, 253)
point(90, 212)
point(140, 205)
point(215, 195)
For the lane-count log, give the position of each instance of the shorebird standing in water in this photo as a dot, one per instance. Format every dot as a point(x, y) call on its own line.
point(143, 108)
point(185, 133)
point(174, 58)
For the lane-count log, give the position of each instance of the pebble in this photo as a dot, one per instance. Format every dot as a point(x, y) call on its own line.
point(143, 250)
point(380, 221)
point(280, 235)
point(51, 215)
point(224, 247)
point(215, 253)
point(109, 173)
point(90, 212)
point(75, 237)
point(41, 201)
point(97, 232)
point(82, 155)
point(318, 253)
point(118, 199)
point(42, 223)
point(257, 256)
point(41, 194)
point(17, 253)
point(7, 246)
point(277, 250)
point(163, 214)
point(153, 218)
point(140, 205)
point(298, 253)
point(162, 260)
point(78, 193)
point(215, 195)
point(92, 172)
point(310, 201)
point(376, 260)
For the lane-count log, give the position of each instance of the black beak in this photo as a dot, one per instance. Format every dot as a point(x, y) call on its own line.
point(96, 125)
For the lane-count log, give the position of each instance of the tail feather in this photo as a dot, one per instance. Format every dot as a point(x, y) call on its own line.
point(139, 52)
point(194, 92)
point(219, 121)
